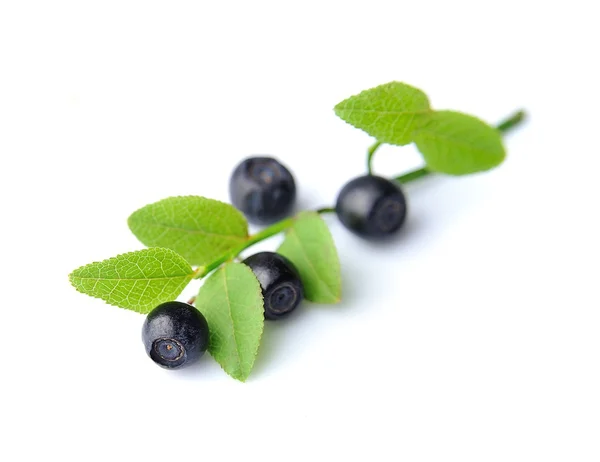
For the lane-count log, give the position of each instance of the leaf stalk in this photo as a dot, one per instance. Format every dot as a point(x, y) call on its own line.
point(370, 153)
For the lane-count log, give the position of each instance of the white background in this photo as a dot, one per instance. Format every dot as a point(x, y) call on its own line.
point(473, 337)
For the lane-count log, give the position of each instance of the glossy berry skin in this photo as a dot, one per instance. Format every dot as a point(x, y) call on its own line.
point(371, 207)
point(281, 285)
point(175, 335)
point(262, 189)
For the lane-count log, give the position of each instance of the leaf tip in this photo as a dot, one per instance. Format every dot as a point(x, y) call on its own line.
point(130, 219)
point(241, 378)
point(74, 274)
point(72, 281)
point(338, 107)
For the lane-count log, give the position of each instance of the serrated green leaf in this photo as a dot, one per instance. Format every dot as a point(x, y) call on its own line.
point(197, 228)
point(459, 144)
point(389, 112)
point(309, 245)
point(231, 301)
point(138, 281)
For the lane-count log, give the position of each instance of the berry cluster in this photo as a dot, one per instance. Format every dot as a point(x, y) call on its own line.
point(176, 334)
point(193, 230)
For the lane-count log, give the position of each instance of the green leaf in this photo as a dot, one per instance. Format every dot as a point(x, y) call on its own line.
point(197, 228)
point(231, 300)
point(389, 112)
point(459, 144)
point(138, 281)
point(309, 245)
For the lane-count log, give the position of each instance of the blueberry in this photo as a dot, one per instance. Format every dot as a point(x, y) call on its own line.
point(281, 285)
point(175, 335)
point(371, 207)
point(262, 189)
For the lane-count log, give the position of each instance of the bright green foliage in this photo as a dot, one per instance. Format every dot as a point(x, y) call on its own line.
point(309, 245)
point(138, 281)
point(197, 228)
point(193, 230)
point(231, 300)
point(458, 144)
point(389, 112)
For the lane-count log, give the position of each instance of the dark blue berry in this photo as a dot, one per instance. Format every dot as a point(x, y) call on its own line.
point(175, 335)
point(371, 207)
point(281, 285)
point(262, 189)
